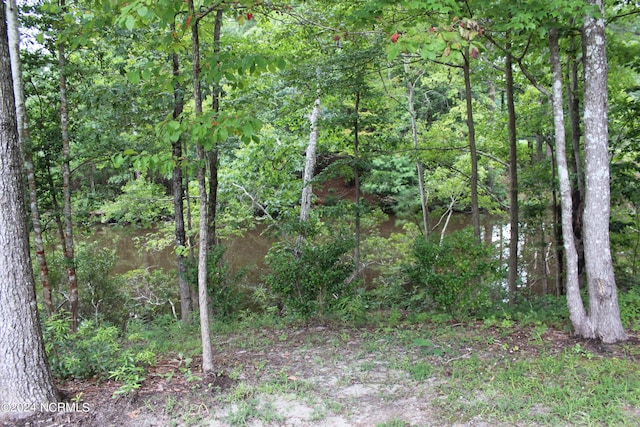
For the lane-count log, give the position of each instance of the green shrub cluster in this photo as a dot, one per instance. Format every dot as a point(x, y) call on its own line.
point(457, 276)
point(225, 289)
point(312, 280)
point(141, 203)
point(94, 350)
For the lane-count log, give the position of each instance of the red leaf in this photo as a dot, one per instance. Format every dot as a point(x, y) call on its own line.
point(395, 37)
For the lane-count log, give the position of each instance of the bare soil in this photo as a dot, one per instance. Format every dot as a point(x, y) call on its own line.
point(312, 375)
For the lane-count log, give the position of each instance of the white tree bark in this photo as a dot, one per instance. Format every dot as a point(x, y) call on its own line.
point(603, 295)
point(25, 379)
point(581, 323)
point(310, 163)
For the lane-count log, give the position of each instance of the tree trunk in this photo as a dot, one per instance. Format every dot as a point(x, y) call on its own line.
point(69, 257)
point(207, 352)
point(309, 171)
point(603, 294)
point(513, 180)
point(411, 90)
point(579, 319)
point(475, 210)
point(178, 197)
point(356, 175)
point(25, 142)
point(25, 378)
point(576, 162)
point(212, 155)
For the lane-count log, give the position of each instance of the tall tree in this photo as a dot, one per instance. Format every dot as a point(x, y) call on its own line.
point(178, 196)
point(603, 295)
point(513, 177)
point(207, 351)
point(69, 256)
point(25, 142)
point(25, 378)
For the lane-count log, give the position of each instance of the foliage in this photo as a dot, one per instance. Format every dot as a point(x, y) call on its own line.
point(313, 282)
point(141, 203)
point(226, 296)
point(93, 351)
point(458, 276)
point(149, 293)
point(629, 302)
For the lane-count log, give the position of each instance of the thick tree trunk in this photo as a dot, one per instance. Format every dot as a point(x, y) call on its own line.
point(475, 210)
point(203, 298)
point(310, 163)
point(411, 91)
point(178, 197)
point(25, 142)
point(25, 379)
point(513, 181)
point(581, 323)
point(69, 257)
point(603, 294)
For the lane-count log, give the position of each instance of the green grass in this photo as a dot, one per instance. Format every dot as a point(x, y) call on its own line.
point(570, 388)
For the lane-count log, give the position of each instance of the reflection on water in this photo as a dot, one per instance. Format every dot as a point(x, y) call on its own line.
point(249, 250)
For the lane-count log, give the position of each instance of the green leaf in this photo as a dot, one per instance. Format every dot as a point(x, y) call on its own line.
point(133, 77)
point(130, 23)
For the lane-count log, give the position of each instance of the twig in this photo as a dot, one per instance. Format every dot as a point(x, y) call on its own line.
point(446, 362)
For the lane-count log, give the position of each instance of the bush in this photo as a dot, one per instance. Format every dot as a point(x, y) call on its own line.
point(457, 276)
point(93, 351)
point(629, 302)
point(141, 203)
point(226, 297)
point(313, 282)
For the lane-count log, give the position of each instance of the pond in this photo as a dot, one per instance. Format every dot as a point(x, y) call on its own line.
point(249, 250)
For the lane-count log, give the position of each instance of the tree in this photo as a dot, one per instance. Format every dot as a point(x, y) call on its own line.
point(25, 378)
point(25, 142)
point(603, 295)
point(69, 257)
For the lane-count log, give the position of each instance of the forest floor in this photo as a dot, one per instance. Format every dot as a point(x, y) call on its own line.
point(408, 374)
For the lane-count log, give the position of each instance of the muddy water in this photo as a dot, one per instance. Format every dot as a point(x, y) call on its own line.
point(247, 251)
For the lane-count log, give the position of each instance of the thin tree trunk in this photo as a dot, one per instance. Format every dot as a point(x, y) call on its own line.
point(577, 169)
point(207, 351)
point(178, 197)
point(25, 378)
point(603, 294)
point(25, 142)
point(212, 155)
point(475, 210)
point(513, 181)
point(356, 173)
point(69, 257)
point(579, 319)
point(414, 135)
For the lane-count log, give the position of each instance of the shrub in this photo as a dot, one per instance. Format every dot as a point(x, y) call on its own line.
point(224, 288)
point(141, 203)
point(456, 276)
point(313, 282)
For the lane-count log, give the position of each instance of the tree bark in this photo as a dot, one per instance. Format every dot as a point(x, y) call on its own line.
point(309, 171)
point(411, 90)
point(207, 352)
point(178, 197)
point(69, 257)
point(579, 319)
point(25, 142)
point(513, 180)
point(356, 175)
point(212, 155)
point(475, 210)
point(603, 294)
point(25, 378)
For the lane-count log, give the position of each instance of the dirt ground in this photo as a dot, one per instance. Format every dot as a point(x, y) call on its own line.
point(309, 376)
